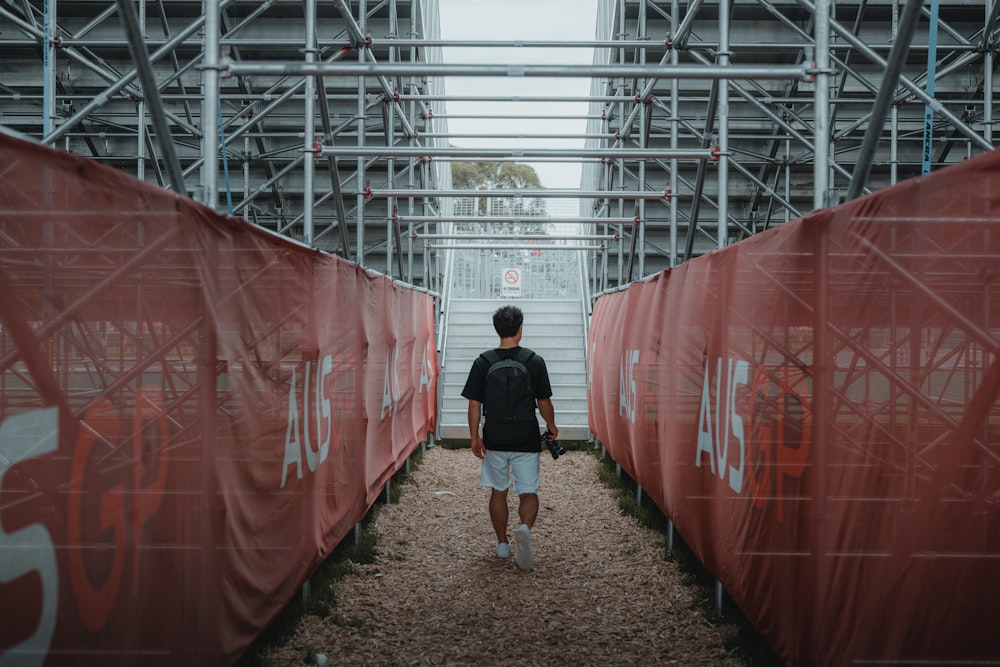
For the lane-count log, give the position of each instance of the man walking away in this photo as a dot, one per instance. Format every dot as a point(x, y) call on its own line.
point(505, 385)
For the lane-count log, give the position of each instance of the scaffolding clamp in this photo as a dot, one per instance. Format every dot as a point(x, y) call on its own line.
point(395, 96)
point(668, 194)
point(368, 191)
point(715, 153)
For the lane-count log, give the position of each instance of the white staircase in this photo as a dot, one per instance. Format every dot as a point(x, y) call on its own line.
point(552, 328)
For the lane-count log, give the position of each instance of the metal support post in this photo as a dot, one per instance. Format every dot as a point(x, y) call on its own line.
point(988, 76)
point(932, 30)
point(674, 128)
point(361, 115)
point(309, 171)
point(49, 35)
point(410, 202)
point(140, 115)
point(645, 119)
point(723, 178)
point(821, 106)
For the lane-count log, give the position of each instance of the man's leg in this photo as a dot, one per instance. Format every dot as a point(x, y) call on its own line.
point(499, 514)
point(525, 469)
point(527, 508)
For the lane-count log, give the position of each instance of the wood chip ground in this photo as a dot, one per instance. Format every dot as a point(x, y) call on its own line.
point(601, 592)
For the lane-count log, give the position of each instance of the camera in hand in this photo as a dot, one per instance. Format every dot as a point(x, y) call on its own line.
point(553, 446)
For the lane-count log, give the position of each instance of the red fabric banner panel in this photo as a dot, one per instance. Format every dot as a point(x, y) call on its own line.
point(816, 409)
point(193, 413)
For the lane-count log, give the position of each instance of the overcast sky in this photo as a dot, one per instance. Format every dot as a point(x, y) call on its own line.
point(554, 20)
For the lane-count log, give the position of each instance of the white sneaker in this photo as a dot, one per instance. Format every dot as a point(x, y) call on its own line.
point(525, 556)
point(503, 549)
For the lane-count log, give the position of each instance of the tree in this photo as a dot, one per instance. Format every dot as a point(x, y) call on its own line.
point(500, 176)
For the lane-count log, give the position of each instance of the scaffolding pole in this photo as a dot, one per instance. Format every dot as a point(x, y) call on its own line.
point(821, 104)
point(350, 70)
point(521, 153)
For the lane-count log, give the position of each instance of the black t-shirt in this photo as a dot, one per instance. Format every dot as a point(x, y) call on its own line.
point(475, 388)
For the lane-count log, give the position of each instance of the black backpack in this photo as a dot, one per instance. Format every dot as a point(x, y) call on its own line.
point(509, 400)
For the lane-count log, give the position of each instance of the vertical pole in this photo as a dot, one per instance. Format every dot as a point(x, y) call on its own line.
point(894, 144)
point(389, 110)
point(246, 168)
point(309, 175)
point(932, 30)
point(724, 54)
point(362, 90)
point(821, 400)
point(50, 31)
point(644, 112)
point(209, 609)
point(410, 202)
point(409, 178)
point(788, 177)
point(675, 14)
point(821, 105)
point(988, 86)
point(140, 113)
point(210, 106)
point(622, 33)
point(894, 116)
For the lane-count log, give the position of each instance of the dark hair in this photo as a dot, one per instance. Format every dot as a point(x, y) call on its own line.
point(507, 320)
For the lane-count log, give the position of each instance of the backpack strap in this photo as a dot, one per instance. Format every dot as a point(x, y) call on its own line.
point(523, 355)
point(491, 357)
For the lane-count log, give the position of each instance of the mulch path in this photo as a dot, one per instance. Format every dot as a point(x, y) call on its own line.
point(601, 592)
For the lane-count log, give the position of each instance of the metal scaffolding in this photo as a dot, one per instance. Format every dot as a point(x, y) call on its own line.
point(708, 122)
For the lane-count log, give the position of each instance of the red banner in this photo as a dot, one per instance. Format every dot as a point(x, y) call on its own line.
point(816, 409)
point(193, 413)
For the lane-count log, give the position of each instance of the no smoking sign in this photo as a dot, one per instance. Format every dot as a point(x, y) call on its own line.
point(510, 283)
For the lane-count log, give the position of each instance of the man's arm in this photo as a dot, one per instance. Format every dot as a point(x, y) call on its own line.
point(475, 410)
point(549, 415)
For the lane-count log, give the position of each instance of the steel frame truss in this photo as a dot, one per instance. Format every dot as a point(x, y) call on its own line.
point(708, 122)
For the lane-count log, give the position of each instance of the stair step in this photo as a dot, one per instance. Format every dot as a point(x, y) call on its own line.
point(552, 328)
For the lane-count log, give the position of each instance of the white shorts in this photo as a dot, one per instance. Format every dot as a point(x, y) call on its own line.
point(498, 467)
